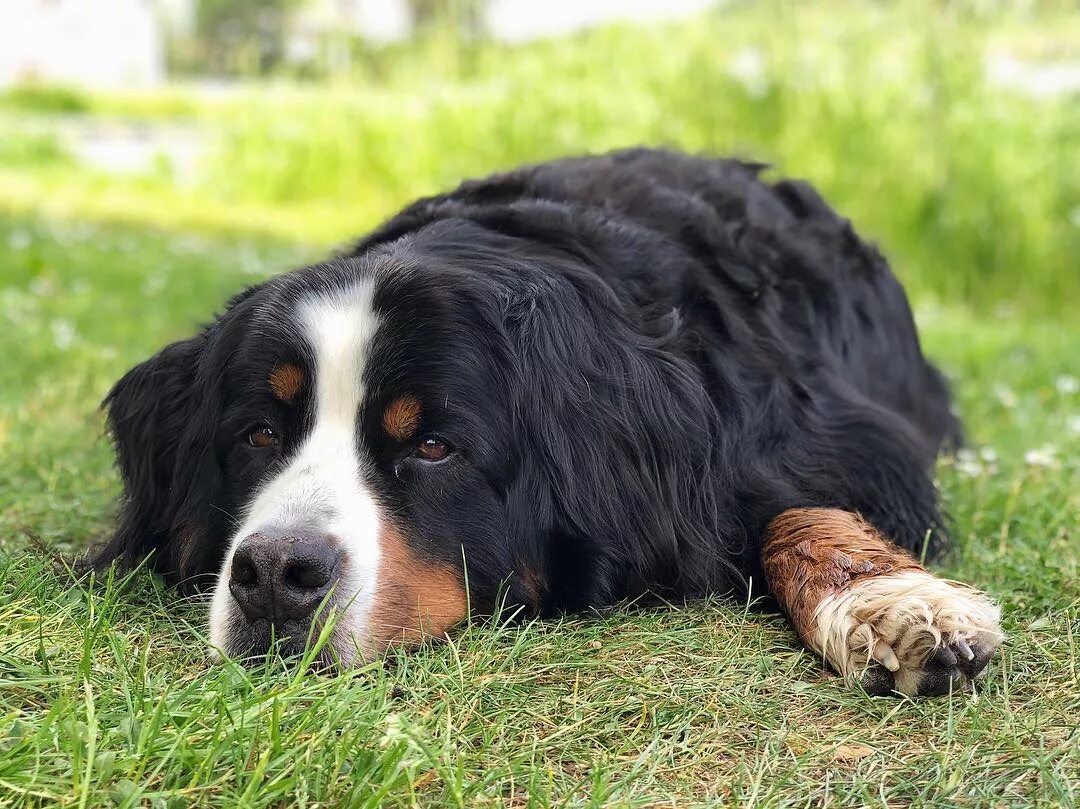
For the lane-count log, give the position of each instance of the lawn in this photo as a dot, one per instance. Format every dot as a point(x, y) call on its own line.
point(106, 693)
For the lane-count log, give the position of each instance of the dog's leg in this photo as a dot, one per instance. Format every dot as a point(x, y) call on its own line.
point(872, 611)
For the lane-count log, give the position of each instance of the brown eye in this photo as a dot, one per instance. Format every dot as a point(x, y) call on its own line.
point(432, 448)
point(263, 438)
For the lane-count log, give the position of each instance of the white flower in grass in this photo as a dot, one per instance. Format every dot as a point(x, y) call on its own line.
point(63, 333)
point(397, 734)
point(1006, 310)
point(1067, 385)
point(1043, 457)
point(1005, 396)
point(927, 312)
point(973, 464)
point(42, 286)
point(748, 68)
point(153, 284)
point(19, 239)
point(393, 732)
point(971, 469)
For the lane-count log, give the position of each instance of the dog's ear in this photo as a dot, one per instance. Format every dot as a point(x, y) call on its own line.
point(625, 435)
point(160, 418)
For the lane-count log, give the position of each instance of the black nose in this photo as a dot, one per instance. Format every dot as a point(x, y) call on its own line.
point(282, 578)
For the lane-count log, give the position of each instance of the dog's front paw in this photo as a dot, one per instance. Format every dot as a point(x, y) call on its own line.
point(909, 632)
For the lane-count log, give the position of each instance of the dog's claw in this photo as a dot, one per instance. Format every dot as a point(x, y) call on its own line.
point(963, 650)
point(884, 654)
point(980, 658)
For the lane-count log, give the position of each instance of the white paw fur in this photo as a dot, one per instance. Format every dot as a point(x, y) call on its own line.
point(899, 621)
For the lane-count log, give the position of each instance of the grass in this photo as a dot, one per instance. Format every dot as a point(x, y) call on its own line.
point(106, 696)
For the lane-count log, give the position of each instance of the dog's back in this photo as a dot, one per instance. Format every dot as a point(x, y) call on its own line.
point(769, 268)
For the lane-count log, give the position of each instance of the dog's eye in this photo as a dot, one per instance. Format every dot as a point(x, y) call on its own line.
point(432, 448)
point(263, 437)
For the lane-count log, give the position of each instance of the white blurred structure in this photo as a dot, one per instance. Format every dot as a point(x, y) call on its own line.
point(317, 27)
point(377, 20)
point(97, 43)
point(521, 20)
point(112, 43)
point(508, 20)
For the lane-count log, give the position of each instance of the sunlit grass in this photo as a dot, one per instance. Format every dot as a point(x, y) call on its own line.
point(106, 694)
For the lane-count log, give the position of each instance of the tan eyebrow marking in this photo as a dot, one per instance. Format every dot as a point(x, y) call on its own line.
point(285, 381)
point(402, 417)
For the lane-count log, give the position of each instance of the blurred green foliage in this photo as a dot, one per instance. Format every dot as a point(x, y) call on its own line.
point(28, 150)
point(970, 186)
point(240, 36)
point(973, 189)
point(45, 98)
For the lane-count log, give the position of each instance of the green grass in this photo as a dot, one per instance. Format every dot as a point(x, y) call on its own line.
point(106, 695)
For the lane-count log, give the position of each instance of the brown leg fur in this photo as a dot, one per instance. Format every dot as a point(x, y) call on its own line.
point(871, 610)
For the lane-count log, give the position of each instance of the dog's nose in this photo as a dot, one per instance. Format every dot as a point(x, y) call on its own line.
point(282, 578)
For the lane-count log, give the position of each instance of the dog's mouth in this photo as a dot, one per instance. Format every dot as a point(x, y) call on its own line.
point(294, 641)
point(325, 639)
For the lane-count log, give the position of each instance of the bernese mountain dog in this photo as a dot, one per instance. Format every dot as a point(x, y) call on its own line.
point(639, 376)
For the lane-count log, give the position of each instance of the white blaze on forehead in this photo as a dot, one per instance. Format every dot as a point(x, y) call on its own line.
point(339, 330)
point(321, 490)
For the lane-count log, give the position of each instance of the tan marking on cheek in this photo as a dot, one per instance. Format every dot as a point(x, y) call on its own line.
point(401, 419)
point(810, 554)
point(415, 598)
point(286, 381)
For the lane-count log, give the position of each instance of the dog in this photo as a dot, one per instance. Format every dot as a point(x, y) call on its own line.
point(643, 375)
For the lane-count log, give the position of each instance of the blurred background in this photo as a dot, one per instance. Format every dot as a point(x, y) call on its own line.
point(948, 131)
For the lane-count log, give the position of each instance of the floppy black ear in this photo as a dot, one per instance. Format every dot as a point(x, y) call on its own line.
point(626, 437)
point(157, 414)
